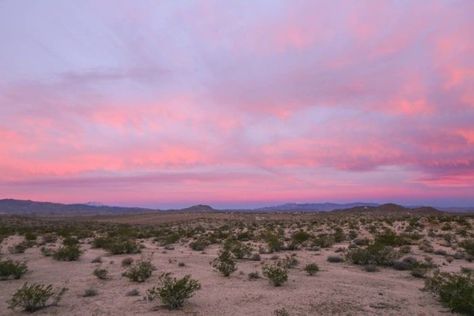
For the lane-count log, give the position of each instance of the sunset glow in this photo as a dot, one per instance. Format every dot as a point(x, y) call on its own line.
point(237, 103)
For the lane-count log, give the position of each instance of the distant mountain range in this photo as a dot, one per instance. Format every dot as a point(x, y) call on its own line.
point(27, 207)
point(311, 207)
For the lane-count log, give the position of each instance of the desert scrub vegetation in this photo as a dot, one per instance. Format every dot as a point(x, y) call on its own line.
point(33, 297)
point(101, 273)
point(21, 247)
point(199, 244)
point(454, 290)
point(311, 268)
point(376, 254)
point(276, 274)
point(12, 269)
point(239, 249)
point(67, 253)
point(224, 263)
point(117, 245)
point(140, 271)
point(173, 292)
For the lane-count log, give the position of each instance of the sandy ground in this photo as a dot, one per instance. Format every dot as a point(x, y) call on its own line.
point(338, 289)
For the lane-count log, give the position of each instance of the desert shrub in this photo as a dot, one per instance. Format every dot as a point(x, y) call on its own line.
point(455, 290)
point(468, 246)
point(377, 254)
point(274, 243)
point(21, 247)
point(370, 268)
point(277, 275)
point(324, 241)
point(281, 312)
point(67, 253)
point(127, 261)
point(47, 252)
point(405, 249)
point(390, 238)
point(335, 259)
point(101, 273)
point(339, 235)
point(117, 245)
point(30, 236)
point(224, 263)
point(140, 271)
point(70, 241)
point(123, 246)
point(253, 275)
point(10, 268)
point(90, 292)
point(172, 292)
point(288, 262)
point(255, 257)
point(300, 237)
point(32, 297)
point(168, 239)
point(134, 292)
point(49, 238)
point(311, 268)
point(199, 244)
point(237, 248)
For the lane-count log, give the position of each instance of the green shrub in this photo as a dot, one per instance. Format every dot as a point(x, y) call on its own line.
point(90, 292)
point(253, 275)
point(117, 245)
point(237, 248)
point(172, 292)
point(21, 247)
point(70, 241)
point(334, 259)
point(288, 262)
point(311, 268)
point(276, 274)
point(468, 246)
point(199, 244)
point(140, 271)
point(35, 296)
point(10, 268)
point(455, 290)
point(68, 253)
point(281, 312)
point(101, 273)
point(224, 263)
point(47, 252)
point(390, 238)
point(127, 261)
point(273, 242)
point(377, 254)
point(300, 237)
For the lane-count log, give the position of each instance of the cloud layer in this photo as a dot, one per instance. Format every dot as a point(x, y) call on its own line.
point(237, 103)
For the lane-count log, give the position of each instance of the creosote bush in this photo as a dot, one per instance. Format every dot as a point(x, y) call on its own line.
point(32, 297)
point(68, 253)
point(377, 254)
point(140, 271)
point(224, 263)
point(12, 269)
point(172, 292)
point(239, 249)
point(277, 275)
point(311, 268)
point(117, 245)
point(455, 290)
point(101, 273)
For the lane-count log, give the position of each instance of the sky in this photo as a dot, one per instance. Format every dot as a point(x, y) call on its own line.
point(237, 103)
